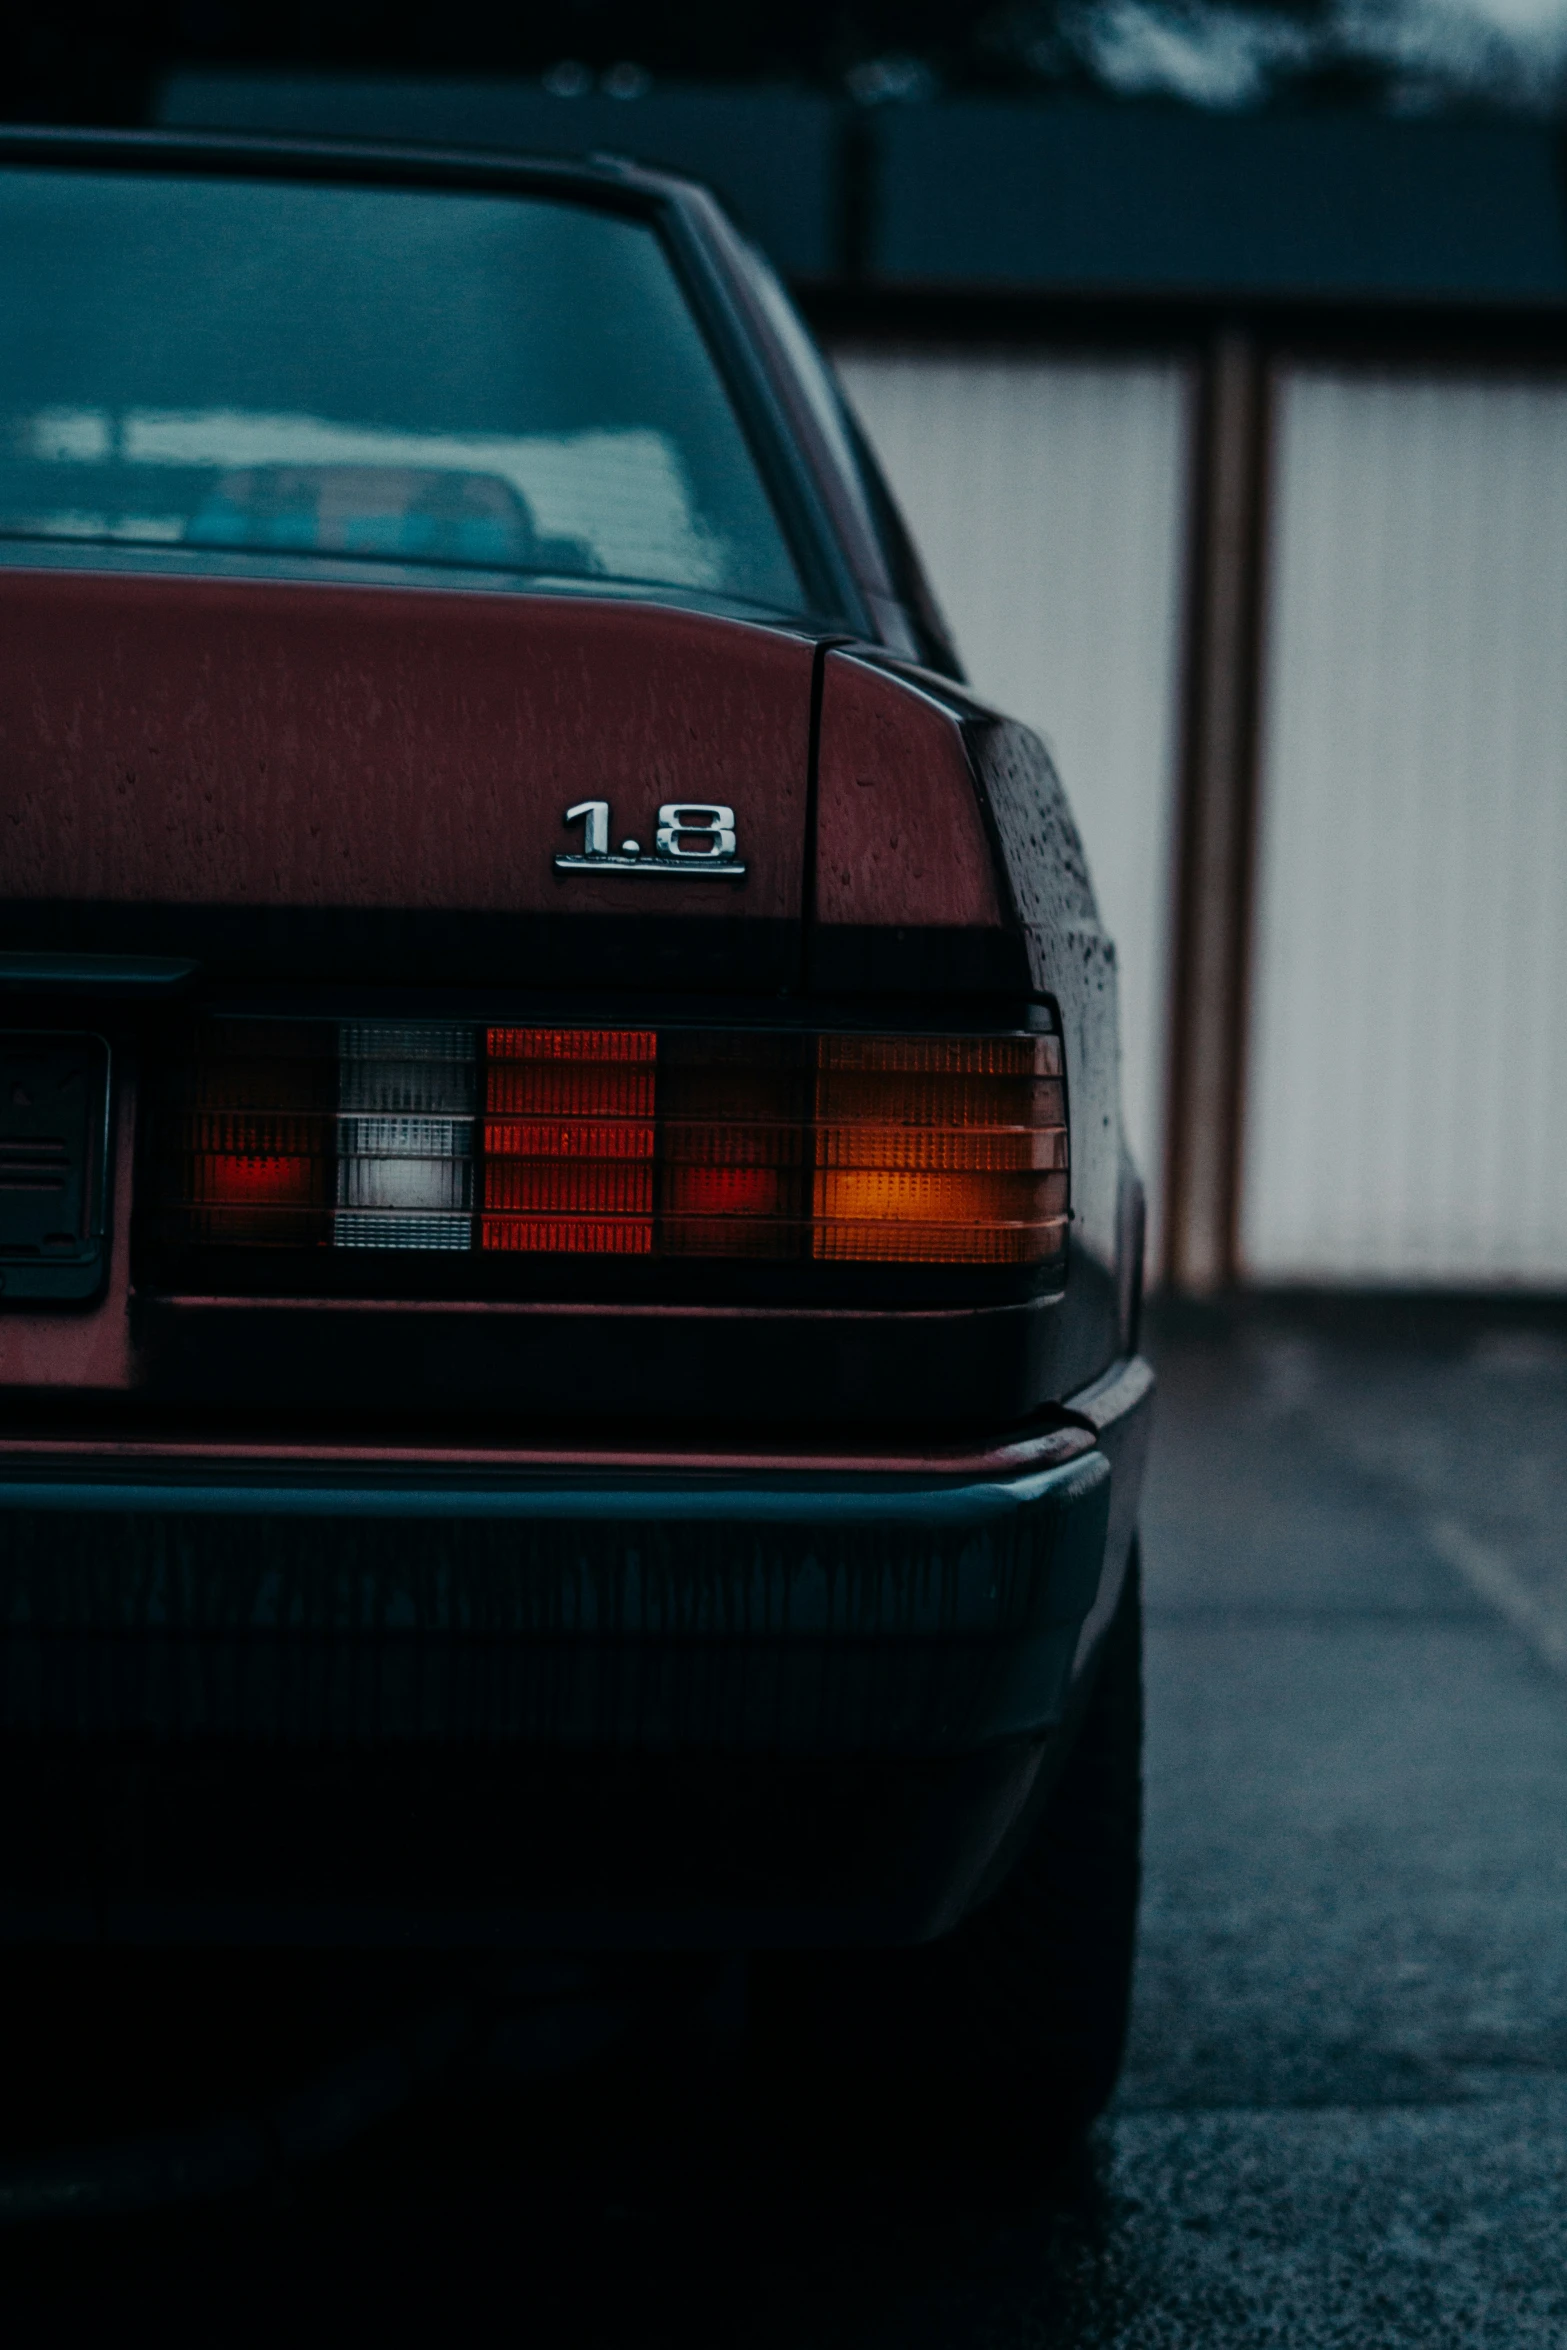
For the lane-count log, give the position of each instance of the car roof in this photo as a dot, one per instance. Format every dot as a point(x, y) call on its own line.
point(593, 178)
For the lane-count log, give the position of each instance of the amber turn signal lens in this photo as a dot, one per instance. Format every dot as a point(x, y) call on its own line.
point(940, 1150)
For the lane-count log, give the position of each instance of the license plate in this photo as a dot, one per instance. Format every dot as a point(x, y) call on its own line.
point(54, 1160)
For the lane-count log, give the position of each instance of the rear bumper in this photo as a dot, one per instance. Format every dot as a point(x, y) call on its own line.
point(626, 1707)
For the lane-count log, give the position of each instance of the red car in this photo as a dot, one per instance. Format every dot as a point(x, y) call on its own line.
point(570, 1274)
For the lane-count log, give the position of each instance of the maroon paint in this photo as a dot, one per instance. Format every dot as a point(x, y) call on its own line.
point(1044, 1449)
point(900, 835)
point(283, 743)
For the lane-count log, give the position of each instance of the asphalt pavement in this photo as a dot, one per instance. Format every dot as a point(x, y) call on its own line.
point(1344, 2113)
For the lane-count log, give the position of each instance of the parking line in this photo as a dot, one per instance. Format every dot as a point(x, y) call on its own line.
point(1491, 1573)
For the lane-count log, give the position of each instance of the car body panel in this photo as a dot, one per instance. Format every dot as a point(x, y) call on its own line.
point(765, 1703)
point(901, 838)
point(236, 753)
point(616, 1615)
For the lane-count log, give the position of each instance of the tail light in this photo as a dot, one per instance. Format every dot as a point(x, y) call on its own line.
point(574, 1141)
point(569, 1141)
point(404, 1140)
point(940, 1150)
point(248, 1138)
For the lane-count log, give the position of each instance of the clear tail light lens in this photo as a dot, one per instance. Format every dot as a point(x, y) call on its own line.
point(622, 1142)
point(405, 1119)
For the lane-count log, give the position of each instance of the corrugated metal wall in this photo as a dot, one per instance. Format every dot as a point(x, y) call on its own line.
point(1408, 1072)
point(1048, 499)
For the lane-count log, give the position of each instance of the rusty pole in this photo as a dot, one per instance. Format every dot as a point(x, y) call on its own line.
point(1215, 852)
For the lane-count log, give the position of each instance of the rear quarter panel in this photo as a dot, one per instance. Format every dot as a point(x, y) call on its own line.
point(948, 863)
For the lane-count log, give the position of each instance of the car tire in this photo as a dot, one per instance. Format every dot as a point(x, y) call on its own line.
point(1018, 2018)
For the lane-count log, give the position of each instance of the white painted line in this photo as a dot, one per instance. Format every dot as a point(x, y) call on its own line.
point(1491, 1573)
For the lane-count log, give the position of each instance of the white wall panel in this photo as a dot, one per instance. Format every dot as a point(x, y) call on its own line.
point(1408, 1085)
point(1048, 500)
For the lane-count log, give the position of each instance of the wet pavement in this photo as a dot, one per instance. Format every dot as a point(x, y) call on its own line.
point(1344, 2113)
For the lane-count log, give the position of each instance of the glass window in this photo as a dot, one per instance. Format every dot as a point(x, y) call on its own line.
point(368, 375)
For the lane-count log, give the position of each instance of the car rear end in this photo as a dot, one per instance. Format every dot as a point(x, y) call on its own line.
point(570, 1280)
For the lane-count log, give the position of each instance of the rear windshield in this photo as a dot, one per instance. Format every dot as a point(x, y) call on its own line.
point(356, 376)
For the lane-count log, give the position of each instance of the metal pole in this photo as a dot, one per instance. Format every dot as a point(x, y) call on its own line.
point(1217, 824)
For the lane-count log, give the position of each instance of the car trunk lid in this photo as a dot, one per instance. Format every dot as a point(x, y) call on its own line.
point(291, 780)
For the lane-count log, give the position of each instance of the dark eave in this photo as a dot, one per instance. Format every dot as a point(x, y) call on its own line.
point(1071, 201)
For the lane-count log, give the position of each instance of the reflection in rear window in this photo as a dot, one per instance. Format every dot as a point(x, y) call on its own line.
point(511, 384)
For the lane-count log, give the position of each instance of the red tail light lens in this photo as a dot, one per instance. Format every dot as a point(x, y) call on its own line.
point(568, 1141)
point(246, 1136)
point(618, 1142)
point(734, 1145)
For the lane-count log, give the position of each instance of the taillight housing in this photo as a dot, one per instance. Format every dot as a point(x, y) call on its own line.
point(515, 1145)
